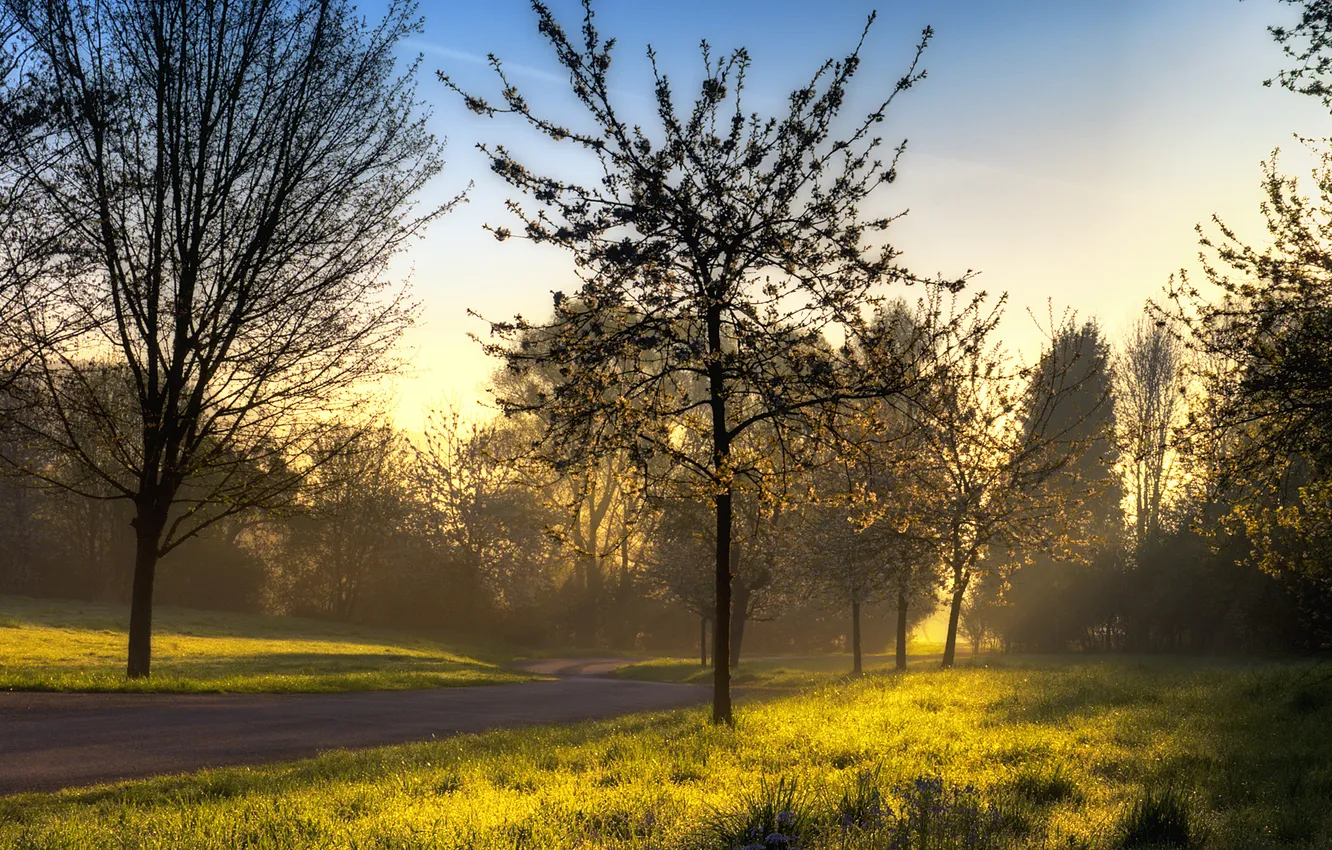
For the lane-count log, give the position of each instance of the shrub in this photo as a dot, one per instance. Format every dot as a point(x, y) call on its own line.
point(932, 815)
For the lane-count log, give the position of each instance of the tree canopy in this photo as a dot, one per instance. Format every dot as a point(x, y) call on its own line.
point(718, 257)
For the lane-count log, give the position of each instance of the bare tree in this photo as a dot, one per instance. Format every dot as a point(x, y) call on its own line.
point(231, 181)
point(492, 518)
point(353, 514)
point(713, 261)
point(1147, 409)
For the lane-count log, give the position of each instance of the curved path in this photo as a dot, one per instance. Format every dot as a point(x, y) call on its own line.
point(51, 741)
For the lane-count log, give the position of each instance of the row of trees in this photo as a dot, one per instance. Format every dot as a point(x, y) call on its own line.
point(457, 529)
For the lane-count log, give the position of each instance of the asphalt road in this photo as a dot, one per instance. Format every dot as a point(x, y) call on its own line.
point(52, 741)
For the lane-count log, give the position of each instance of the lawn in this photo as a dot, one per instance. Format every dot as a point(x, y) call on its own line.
point(783, 671)
point(50, 645)
point(1092, 754)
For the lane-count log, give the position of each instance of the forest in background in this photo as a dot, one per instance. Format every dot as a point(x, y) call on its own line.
point(454, 532)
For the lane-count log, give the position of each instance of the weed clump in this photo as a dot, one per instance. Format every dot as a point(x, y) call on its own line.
point(922, 814)
point(862, 805)
point(932, 815)
point(1046, 787)
point(776, 817)
point(1306, 700)
point(1158, 818)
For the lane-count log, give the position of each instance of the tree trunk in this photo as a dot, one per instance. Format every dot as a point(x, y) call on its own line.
point(901, 629)
point(141, 599)
point(739, 608)
point(721, 461)
point(721, 623)
point(703, 641)
point(950, 644)
point(855, 638)
point(596, 583)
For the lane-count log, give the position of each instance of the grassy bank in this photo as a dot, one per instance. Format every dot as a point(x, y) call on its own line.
point(1096, 755)
point(72, 646)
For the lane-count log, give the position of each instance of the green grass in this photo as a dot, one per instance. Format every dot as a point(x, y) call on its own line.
point(50, 645)
point(1076, 755)
point(780, 671)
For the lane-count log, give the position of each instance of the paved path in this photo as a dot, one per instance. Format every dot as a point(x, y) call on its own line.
point(51, 741)
point(575, 666)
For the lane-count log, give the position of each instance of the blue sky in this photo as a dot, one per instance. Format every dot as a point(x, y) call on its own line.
point(1064, 148)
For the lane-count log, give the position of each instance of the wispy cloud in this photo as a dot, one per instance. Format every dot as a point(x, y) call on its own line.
point(513, 68)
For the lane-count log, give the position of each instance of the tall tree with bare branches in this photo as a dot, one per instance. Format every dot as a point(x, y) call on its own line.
point(230, 181)
point(1148, 406)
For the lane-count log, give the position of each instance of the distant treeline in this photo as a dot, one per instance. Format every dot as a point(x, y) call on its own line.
point(453, 531)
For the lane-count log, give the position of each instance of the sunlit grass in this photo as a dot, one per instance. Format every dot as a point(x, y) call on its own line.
point(1079, 755)
point(781, 671)
point(71, 646)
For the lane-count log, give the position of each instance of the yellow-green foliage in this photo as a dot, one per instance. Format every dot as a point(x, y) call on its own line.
point(73, 646)
point(1063, 753)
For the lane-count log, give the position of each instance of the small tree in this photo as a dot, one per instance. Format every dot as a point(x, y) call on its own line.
point(229, 182)
point(842, 568)
point(1148, 407)
point(858, 536)
point(491, 519)
point(995, 436)
point(680, 565)
point(350, 529)
point(713, 260)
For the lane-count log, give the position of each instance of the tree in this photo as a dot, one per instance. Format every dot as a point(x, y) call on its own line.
point(231, 181)
point(713, 259)
point(494, 523)
point(861, 535)
point(995, 436)
point(353, 513)
point(1309, 45)
point(1147, 409)
point(844, 569)
point(679, 564)
point(1260, 345)
point(1070, 407)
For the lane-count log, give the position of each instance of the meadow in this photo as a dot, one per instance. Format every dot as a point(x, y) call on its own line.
point(48, 645)
point(1083, 754)
point(803, 671)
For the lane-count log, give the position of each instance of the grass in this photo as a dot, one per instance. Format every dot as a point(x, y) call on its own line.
point(781, 671)
point(50, 645)
point(1101, 755)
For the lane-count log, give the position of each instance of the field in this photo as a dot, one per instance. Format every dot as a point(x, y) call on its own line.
point(73, 646)
point(1089, 754)
point(782, 671)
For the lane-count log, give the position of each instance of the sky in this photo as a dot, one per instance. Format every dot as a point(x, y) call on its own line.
point(1063, 150)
